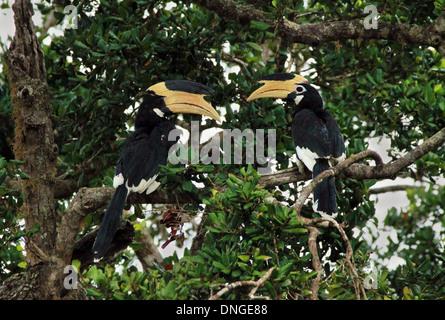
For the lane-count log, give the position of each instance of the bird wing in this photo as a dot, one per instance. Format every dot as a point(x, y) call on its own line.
point(335, 138)
point(142, 153)
point(311, 137)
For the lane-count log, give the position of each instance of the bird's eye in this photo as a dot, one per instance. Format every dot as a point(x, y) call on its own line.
point(300, 89)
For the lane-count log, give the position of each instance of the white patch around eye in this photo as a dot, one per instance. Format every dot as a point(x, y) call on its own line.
point(298, 99)
point(159, 112)
point(300, 89)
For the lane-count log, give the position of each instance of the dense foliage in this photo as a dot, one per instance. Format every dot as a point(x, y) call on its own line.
point(373, 88)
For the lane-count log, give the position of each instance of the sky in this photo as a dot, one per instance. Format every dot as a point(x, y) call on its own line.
point(6, 24)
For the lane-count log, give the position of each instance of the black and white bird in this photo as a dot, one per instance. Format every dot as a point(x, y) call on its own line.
point(148, 147)
point(316, 135)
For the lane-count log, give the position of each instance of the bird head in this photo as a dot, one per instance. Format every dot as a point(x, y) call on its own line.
point(174, 96)
point(288, 86)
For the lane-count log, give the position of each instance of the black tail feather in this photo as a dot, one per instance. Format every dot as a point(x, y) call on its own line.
point(325, 201)
point(110, 222)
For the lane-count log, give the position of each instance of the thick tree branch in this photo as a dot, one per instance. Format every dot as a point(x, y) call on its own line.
point(148, 254)
point(91, 199)
point(317, 33)
point(362, 171)
point(82, 248)
point(316, 264)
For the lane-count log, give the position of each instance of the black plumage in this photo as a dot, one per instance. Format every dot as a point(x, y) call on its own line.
point(316, 135)
point(148, 147)
point(318, 143)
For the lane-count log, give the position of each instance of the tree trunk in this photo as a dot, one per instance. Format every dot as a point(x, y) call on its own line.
point(34, 145)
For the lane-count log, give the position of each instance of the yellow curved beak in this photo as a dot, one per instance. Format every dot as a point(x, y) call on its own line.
point(277, 86)
point(182, 96)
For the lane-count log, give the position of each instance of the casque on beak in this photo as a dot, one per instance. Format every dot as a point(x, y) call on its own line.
point(181, 96)
point(277, 86)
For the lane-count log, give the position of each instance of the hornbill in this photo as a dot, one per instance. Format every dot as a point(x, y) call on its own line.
point(148, 146)
point(316, 135)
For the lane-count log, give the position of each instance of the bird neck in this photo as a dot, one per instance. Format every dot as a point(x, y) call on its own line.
point(147, 123)
point(316, 108)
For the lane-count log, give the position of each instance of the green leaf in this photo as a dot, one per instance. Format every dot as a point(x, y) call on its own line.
point(285, 270)
point(263, 257)
point(80, 44)
point(187, 186)
point(22, 175)
point(170, 290)
point(221, 267)
point(3, 176)
point(254, 46)
point(295, 230)
point(243, 257)
point(259, 25)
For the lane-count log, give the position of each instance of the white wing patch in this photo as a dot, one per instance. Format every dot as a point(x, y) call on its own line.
point(118, 180)
point(334, 161)
point(308, 157)
point(341, 158)
point(152, 187)
point(149, 185)
point(322, 213)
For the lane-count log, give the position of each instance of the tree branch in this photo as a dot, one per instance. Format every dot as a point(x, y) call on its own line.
point(362, 171)
point(148, 254)
point(334, 171)
point(315, 34)
point(255, 284)
point(91, 199)
point(312, 225)
point(316, 264)
point(402, 187)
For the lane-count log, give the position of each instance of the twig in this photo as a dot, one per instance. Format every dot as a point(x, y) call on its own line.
point(395, 188)
point(311, 225)
point(252, 292)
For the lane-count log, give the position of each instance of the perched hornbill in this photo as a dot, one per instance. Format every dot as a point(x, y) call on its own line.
point(147, 147)
point(316, 135)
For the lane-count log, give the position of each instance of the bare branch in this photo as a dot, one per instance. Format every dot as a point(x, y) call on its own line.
point(251, 295)
point(312, 225)
point(402, 187)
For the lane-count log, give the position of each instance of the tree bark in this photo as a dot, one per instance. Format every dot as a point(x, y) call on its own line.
point(34, 145)
point(34, 140)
